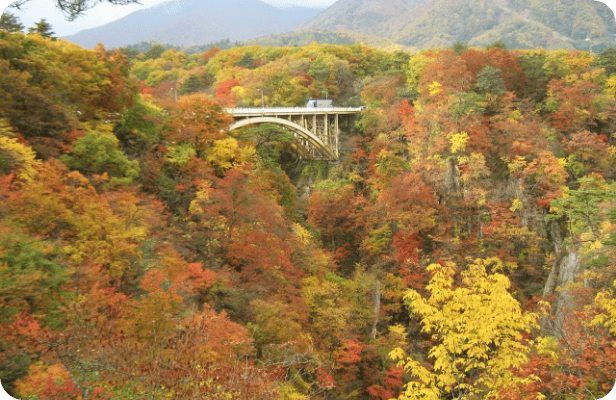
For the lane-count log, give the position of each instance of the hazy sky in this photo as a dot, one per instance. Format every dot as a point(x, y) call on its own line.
point(103, 13)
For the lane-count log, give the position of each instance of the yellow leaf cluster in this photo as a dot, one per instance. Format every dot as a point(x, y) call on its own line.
point(434, 88)
point(302, 233)
point(458, 141)
point(594, 76)
point(16, 156)
point(606, 301)
point(225, 154)
point(516, 205)
point(477, 330)
point(572, 78)
point(417, 64)
point(514, 115)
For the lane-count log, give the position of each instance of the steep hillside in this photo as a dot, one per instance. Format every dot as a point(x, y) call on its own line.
point(195, 23)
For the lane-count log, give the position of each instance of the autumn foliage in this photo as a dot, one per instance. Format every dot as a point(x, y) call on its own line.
point(463, 246)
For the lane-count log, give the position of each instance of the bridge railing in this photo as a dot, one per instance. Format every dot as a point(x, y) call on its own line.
point(292, 110)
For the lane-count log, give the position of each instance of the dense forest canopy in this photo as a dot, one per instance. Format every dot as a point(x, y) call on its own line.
point(464, 245)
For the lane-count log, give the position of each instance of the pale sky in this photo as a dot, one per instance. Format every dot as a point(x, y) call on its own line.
point(34, 10)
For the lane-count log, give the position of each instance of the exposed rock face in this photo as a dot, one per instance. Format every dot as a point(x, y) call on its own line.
point(566, 268)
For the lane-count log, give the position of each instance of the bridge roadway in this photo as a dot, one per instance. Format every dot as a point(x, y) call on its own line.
point(316, 130)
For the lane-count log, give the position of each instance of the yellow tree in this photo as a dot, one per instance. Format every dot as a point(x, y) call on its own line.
point(477, 334)
point(15, 156)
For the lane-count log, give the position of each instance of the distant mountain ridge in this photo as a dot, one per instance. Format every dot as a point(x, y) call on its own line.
point(190, 22)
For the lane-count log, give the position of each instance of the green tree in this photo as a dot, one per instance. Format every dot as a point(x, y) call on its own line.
point(535, 84)
point(583, 210)
point(10, 23)
point(136, 129)
point(30, 272)
point(499, 44)
point(130, 53)
point(489, 81)
point(99, 154)
point(247, 60)
point(154, 52)
point(193, 84)
point(459, 47)
point(607, 59)
point(43, 28)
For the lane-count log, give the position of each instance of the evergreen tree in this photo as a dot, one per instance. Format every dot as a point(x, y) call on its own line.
point(128, 52)
point(193, 84)
point(499, 44)
point(459, 47)
point(43, 28)
point(247, 60)
point(489, 81)
point(154, 52)
point(607, 60)
point(10, 23)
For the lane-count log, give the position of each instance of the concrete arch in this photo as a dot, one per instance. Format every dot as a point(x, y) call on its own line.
point(300, 131)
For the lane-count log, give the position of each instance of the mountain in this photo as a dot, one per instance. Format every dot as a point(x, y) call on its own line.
point(569, 24)
point(371, 17)
point(186, 22)
point(441, 23)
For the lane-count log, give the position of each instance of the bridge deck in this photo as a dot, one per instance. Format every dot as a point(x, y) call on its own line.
point(272, 111)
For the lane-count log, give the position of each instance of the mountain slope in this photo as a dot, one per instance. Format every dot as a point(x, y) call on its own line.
point(518, 23)
point(441, 23)
point(195, 22)
point(372, 17)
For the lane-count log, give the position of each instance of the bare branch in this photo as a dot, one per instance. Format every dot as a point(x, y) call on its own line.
point(74, 8)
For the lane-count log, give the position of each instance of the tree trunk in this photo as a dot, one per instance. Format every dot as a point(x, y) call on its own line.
point(377, 308)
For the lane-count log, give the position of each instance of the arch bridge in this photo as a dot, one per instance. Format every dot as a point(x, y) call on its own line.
point(316, 130)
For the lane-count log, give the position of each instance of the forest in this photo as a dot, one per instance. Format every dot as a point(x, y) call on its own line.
point(462, 247)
